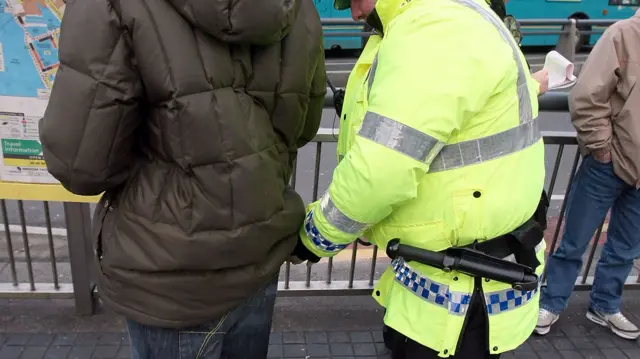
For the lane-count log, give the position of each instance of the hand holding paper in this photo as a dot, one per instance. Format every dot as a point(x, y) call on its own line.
point(542, 77)
point(560, 71)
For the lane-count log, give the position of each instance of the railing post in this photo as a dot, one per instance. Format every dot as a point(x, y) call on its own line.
point(80, 255)
point(568, 41)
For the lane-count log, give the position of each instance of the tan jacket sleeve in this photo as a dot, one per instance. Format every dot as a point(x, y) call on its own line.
point(87, 131)
point(590, 99)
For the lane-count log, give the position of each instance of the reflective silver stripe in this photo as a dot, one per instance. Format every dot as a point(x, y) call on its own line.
point(503, 143)
point(524, 99)
point(338, 219)
point(399, 137)
point(318, 240)
point(472, 152)
point(476, 151)
point(372, 73)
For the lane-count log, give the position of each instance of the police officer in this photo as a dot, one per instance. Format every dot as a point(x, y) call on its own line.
point(439, 147)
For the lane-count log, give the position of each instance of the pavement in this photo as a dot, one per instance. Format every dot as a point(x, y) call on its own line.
point(329, 327)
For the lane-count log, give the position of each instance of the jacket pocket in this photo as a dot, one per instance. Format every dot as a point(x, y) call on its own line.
point(356, 117)
point(203, 341)
point(352, 117)
point(99, 219)
point(468, 212)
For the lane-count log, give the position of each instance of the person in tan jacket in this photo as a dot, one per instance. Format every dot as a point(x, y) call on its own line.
point(605, 110)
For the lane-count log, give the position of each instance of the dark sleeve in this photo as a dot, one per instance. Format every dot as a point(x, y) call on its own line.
point(316, 102)
point(498, 6)
point(87, 131)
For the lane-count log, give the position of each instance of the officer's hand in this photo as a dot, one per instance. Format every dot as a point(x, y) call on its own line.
point(542, 77)
point(294, 260)
point(301, 254)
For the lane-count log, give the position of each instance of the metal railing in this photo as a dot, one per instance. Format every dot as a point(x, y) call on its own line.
point(522, 22)
point(570, 30)
point(33, 266)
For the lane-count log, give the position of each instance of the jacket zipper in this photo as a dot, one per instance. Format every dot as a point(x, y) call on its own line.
point(105, 208)
point(467, 315)
point(477, 291)
point(486, 316)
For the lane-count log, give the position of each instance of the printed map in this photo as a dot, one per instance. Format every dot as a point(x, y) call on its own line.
point(29, 32)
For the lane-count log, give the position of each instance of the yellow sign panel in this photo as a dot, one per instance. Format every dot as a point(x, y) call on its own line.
point(24, 162)
point(41, 192)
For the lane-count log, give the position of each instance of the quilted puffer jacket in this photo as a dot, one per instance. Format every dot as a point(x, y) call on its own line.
point(187, 115)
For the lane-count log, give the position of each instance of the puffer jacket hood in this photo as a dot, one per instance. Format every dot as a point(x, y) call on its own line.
point(261, 22)
point(187, 115)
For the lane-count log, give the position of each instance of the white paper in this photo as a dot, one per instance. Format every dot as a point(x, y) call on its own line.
point(560, 71)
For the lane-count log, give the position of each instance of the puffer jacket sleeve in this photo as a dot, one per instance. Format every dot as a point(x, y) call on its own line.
point(87, 131)
point(420, 94)
point(316, 102)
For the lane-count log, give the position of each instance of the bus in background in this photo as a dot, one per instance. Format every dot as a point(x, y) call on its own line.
point(519, 9)
point(327, 11)
point(567, 9)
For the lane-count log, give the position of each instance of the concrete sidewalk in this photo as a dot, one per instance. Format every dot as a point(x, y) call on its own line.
point(310, 328)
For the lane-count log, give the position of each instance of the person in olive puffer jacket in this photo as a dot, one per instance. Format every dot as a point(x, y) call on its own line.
point(188, 115)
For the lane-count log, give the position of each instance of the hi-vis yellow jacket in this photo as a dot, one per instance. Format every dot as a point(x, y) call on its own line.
point(439, 146)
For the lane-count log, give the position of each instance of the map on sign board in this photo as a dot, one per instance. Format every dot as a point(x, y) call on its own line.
point(29, 34)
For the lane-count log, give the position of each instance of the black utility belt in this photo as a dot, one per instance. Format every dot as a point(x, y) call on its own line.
point(485, 259)
point(521, 243)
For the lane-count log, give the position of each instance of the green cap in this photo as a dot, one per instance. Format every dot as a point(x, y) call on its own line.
point(341, 4)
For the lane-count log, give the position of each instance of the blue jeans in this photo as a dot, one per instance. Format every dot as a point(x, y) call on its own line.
point(594, 191)
point(241, 333)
